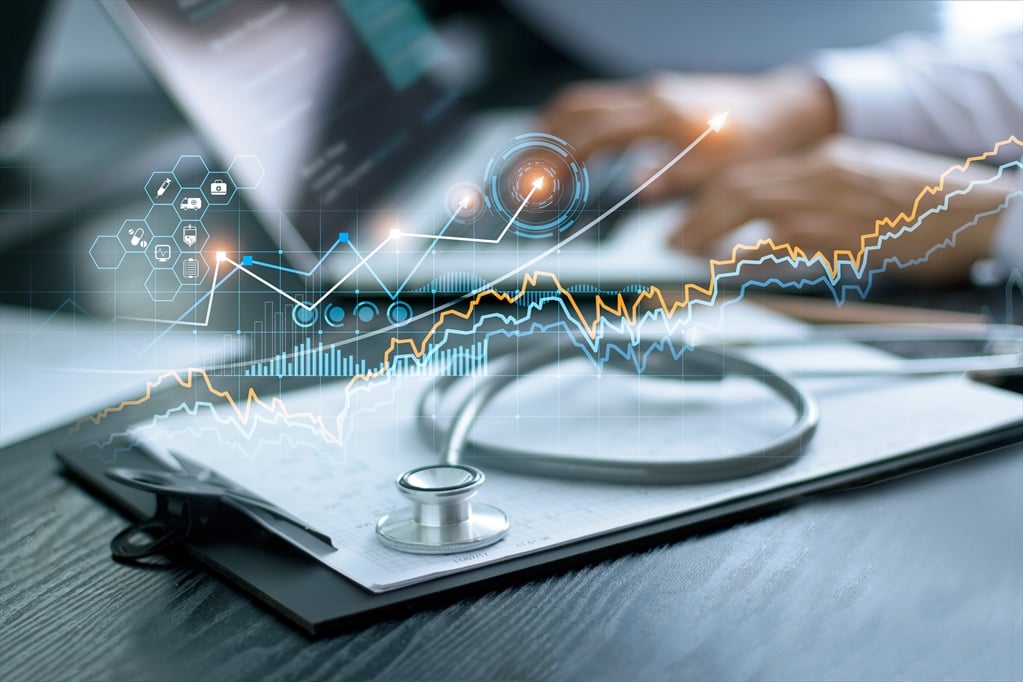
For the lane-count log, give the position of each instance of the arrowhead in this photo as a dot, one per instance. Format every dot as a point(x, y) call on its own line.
point(538, 183)
point(718, 121)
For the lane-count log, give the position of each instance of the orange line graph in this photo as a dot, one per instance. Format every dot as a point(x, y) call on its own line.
point(275, 404)
point(618, 307)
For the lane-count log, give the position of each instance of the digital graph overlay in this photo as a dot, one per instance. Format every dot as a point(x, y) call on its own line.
point(537, 180)
point(742, 255)
point(609, 324)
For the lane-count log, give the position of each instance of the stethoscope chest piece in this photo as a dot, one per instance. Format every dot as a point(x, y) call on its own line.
point(442, 520)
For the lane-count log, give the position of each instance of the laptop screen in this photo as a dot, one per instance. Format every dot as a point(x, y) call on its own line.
point(332, 97)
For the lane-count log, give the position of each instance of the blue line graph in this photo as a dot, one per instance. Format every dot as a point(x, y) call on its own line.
point(834, 278)
point(618, 335)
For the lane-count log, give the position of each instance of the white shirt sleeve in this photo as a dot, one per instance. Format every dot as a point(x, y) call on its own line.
point(944, 97)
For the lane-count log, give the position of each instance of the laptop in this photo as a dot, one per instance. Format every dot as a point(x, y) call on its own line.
point(330, 117)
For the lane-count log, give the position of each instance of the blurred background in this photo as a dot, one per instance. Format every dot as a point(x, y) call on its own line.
point(82, 120)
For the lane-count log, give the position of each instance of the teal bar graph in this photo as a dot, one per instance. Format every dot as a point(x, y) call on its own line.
point(307, 360)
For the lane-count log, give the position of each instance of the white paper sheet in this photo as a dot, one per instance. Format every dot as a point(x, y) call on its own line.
point(343, 489)
point(58, 367)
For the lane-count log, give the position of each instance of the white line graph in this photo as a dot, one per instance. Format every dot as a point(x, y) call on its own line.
point(713, 125)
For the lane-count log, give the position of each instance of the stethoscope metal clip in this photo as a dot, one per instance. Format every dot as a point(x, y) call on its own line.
point(442, 518)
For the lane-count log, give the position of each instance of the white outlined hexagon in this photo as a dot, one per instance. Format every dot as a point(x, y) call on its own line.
point(198, 231)
point(191, 204)
point(183, 273)
point(246, 171)
point(129, 236)
point(107, 252)
point(226, 185)
point(164, 184)
point(190, 171)
point(162, 285)
point(163, 252)
point(162, 220)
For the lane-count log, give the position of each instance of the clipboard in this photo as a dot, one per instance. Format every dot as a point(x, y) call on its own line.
point(320, 601)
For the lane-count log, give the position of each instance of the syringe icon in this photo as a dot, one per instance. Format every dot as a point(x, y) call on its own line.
point(163, 187)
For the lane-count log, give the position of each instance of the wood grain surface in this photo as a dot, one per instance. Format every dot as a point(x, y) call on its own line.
point(919, 578)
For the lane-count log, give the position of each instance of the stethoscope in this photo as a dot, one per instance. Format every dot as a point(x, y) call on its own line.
point(442, 518)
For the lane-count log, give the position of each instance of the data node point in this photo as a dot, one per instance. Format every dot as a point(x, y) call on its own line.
point(395, 233)
point(342, 237)
point(246, 260)
point(465, 202)
point(536, 186)
point(304, 315)
point(399, 313)
point(221, 256)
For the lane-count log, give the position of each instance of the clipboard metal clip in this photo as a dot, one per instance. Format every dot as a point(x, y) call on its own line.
point(185, 500)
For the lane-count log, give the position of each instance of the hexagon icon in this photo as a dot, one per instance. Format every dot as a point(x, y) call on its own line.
point(191, 235)
point(134, 235)
point(218, 188)
point(191, 204)
point(162, 285)
point(191, 268)
point(106, 252)
point(162, 187)
point(245, 171)
point(162, 252)
point(162, 220)
point(190, 171)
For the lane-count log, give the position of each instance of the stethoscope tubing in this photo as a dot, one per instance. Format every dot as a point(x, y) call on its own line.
point(712, 363)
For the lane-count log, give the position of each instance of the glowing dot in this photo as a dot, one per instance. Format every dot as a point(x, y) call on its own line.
point(718, 121)
point(538, 183)
point(466, 202)
point(221, 256)
point(395, 233)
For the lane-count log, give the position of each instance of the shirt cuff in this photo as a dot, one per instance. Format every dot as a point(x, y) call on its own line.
point(869, 92)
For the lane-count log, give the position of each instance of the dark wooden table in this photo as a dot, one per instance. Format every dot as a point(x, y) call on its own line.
point(917, 578)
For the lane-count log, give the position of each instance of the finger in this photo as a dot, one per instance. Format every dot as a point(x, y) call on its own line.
point(822, 231)
point(724, 204)
point(710, 218)
point(768, 189)
point(580, 105)
point(615, 126)
point(684, 176)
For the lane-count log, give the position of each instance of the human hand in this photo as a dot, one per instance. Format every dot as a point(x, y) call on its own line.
point(769, 115)
point(826, 198)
